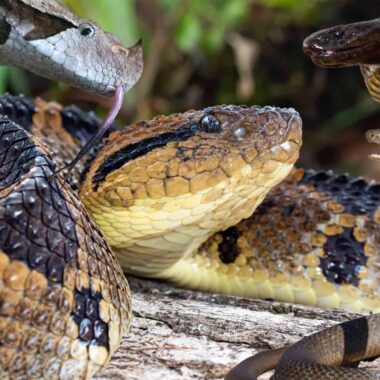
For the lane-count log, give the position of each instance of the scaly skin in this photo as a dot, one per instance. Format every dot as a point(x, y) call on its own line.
point(319, 356)
point(157, 209)
point(157, 204)
point(349, 45)
point(327, 354)
point(44, 37)
point(328, 223)
point(60, 285)
point(64, 301)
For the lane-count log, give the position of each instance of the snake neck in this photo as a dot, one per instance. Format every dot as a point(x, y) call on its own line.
point(371, 75)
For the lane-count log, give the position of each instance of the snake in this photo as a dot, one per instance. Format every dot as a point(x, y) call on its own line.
point(331, 353)
point(65, 303)
point(59, 270)
point(165, 198)
point(46, 38)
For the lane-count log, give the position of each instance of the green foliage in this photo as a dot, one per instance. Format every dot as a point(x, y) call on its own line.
point(205, 23)
point(3, 79)
point(13, 78)
point(301, 10)
point(117, 17)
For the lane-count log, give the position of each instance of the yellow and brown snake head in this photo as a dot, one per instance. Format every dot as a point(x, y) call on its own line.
point(64, 302)
point(159, 188)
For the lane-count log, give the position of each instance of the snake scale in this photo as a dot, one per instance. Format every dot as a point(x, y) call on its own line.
point(160, 191)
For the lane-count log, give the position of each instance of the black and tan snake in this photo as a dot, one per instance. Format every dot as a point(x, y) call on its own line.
point(168, 195)
point(330, 353)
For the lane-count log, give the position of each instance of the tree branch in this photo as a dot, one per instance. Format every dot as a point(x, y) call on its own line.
point(181, 334)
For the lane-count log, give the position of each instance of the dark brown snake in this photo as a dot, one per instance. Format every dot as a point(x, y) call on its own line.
point(64, 302)
point(328, 354)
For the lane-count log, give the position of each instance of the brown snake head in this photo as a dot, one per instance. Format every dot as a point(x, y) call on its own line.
point(348, 45)
point(345, 45)
point(166, 184)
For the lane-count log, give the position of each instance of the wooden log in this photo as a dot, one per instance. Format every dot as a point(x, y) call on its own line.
point(181, 334)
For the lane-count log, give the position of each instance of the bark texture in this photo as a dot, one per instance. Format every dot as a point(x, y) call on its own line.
point(181, 334)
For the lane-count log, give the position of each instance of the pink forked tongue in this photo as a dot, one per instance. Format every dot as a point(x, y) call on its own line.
point(118, 101)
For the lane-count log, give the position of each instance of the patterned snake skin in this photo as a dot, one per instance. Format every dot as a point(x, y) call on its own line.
point(64, 302)
point(319, 356)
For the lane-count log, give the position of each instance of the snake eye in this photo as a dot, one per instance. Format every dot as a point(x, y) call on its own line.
point(210, 124)
point(86, 30)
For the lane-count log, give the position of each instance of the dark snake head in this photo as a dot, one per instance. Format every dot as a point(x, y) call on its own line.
point(345, 45)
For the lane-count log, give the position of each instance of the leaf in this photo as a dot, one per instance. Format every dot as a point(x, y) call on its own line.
point(117, 17)
point(3, 78)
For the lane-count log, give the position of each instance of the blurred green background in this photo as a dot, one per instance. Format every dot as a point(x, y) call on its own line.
point(204, 52)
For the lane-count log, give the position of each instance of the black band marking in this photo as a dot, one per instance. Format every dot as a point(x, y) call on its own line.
point(133, 151)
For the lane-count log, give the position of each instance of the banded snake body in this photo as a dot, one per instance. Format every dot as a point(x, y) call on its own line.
point(319, 356)
point(64, 301)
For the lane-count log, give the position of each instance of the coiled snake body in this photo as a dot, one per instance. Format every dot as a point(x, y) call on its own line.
point(65, 303)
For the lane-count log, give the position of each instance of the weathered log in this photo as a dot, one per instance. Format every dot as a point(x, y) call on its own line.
point(181, 334)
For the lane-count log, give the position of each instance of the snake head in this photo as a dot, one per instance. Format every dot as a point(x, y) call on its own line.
point(345, 45)
point(168, 183)
point(85, 56)
point(56, 44)
point(224, 139)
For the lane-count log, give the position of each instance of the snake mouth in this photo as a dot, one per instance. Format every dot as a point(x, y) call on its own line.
point(350, 56)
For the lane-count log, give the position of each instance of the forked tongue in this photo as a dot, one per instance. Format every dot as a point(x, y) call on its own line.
point(117, 103)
